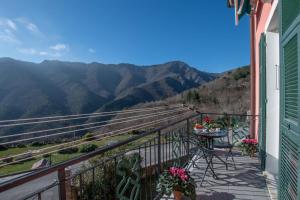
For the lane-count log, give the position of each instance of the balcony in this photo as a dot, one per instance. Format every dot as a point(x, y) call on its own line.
point(129, 169)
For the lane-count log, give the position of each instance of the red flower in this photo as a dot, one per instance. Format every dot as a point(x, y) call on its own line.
point(199, 126)
point(207, 120)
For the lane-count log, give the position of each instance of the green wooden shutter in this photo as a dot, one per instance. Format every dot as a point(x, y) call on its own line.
point(290, 138)
point(288, 188)
point(290, 10)
point(289, 179)
point(262, 100)
point(290, 51)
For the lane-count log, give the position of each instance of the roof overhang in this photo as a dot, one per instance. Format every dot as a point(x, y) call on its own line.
point(241, 7)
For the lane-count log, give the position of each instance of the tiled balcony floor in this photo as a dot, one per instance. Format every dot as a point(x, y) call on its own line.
point(243, 183)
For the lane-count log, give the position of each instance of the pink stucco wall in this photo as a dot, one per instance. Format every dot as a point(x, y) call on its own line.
point(260, 19)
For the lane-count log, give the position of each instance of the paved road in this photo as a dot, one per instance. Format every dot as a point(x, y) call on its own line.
point(32, 186)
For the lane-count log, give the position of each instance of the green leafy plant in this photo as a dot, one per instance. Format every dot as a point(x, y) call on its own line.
point(88, 148)
point(89, 137)
point(209, 123)
point(69, 150)
point(46, 155)
point(176, 179)
point(3, 148)
point(134, 132)
point(21, 145)
point(228, 122)
point(36, 144)
point(8, 160)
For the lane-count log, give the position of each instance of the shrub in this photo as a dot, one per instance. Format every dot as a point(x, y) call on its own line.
point(88, 148)
point(3, 148)
point(103, 187)
point(8, 159)
point(21, 145)
point(36, 144)
point(46, 155)
point(241, 73)
point(134, 132)
point(69, 150)
point(89, 136)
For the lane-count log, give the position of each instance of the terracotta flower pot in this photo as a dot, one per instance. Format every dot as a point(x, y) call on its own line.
point(177, 195)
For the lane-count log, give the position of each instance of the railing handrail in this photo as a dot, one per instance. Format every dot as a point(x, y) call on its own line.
point(226, 114)
point(26, 178)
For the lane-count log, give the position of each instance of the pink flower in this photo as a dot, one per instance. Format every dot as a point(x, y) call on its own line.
point(184, 177)
point(173, 171)
point(179, 172)
point(250, 141)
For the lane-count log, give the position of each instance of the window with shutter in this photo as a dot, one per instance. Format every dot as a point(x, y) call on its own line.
point(291, 80)
point(289, 125)
point(289, 178)
point(289, 166)
point(290, 10)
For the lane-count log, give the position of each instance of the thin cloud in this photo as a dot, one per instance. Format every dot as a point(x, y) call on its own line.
point(8, 23)
point(9, 39)
point(11, 24)
point(59, 47)
point(7, 31)
point(30, 26)
point(44, 53)
point(29, 51)
point(34, 52)
point(33, 28)
point(12, 30)
point(91, 50)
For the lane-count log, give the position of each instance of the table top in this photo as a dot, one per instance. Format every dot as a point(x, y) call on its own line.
point(214, 134)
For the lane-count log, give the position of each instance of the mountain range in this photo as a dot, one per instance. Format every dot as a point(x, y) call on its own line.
point(58, 88)
point(228, 93)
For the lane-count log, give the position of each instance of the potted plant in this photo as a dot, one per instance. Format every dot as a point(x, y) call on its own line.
point(176, 180)
point(249, 147)
point(208, 123)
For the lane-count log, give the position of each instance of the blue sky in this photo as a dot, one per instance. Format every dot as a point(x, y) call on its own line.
point(200, 33)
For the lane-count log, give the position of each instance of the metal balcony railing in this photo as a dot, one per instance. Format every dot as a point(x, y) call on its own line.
point(128, 169)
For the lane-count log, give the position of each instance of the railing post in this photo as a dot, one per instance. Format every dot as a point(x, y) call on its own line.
point(230, 131)
point(188, 136)
point(229, 121)
point(39, 196)
point(159, 152)
point(201, 118)
point(62, 184)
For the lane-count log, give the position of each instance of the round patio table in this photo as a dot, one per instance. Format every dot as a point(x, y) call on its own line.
point(211, 136)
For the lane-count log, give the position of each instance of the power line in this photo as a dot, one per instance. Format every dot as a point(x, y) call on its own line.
point(68, 132)
point(87, 142)
point(74, 126)
point(76, 115)
point(93, 115)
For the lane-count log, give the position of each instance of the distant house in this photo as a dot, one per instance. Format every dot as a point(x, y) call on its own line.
point(274, 31)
